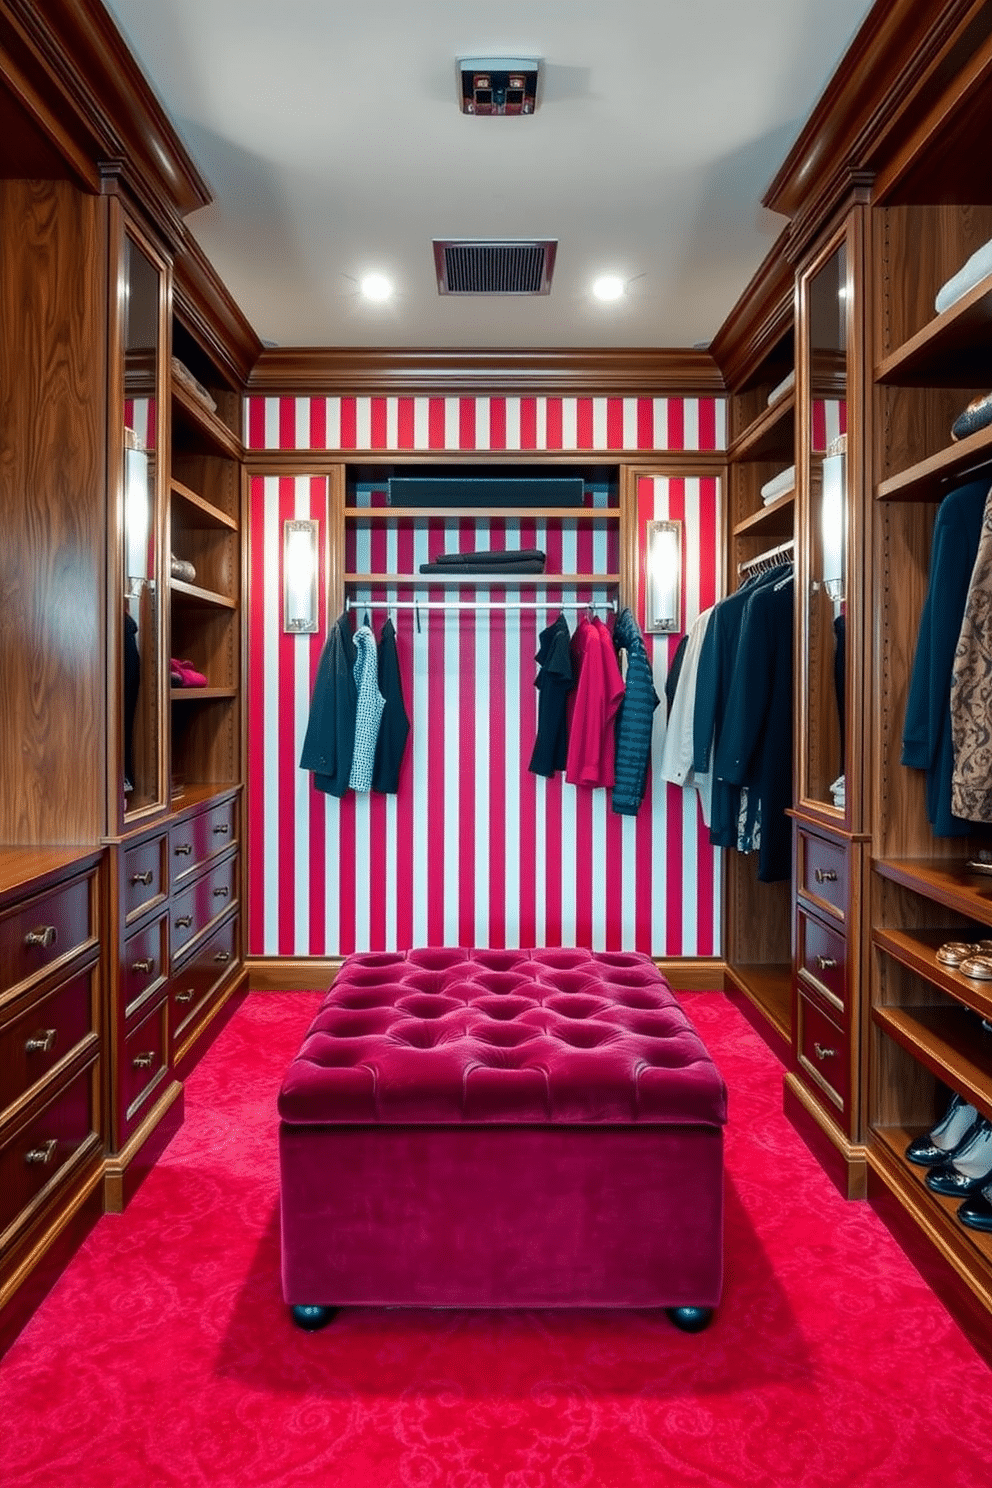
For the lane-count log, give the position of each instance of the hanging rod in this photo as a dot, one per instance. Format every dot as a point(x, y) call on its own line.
point(468, 604)
point(781, 551)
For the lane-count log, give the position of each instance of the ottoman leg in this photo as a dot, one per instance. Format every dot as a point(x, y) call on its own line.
point(312, 1317)
point(690, 1319)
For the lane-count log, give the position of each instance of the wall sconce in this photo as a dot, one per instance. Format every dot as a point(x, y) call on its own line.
point(299, 576)
point(833, 508)
point(137, 510)
point(663, 578)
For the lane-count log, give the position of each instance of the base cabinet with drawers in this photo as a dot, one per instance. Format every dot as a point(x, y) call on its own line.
point(51, 1069)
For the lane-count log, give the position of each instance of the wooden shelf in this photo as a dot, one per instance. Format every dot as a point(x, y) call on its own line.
point(946, 881)
point(954, 350)
point(777, 519)
point(949, 1042)
point(205, 597)
point(929, 479)
point(769, 987)
point(201, 694)
point(192, 418)
point(770, 435)
point(917, 951)
point(483, 513)
point(486, 580)
point(935, 1214)
point(201, 513)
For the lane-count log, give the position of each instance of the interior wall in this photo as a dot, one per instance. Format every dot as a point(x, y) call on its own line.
point(473, 849)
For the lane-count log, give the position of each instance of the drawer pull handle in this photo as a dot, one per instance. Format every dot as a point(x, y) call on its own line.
point(223, 956)
point(822, 1052)
point(825, 875)
point(146, 964)
point(222, 829)
point(184, 922)
point(45, 935)
point(44, 1153)
point(143, 878)
point(144, 1061)
point(221, 893)
point(186, 996)
point(826, 963)
point(183, 849)
point(42, 1042)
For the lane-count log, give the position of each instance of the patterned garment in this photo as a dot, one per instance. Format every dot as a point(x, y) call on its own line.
point(971, 691)
point(370, 705)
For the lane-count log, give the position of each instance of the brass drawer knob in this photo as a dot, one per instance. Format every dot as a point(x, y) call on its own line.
point(826, 963)
point(184, 922)
point(186, 996)
point(221, 893)
point(222, 829)
point(822, 1052)
point(45, 935)
point(223, 956)
point(142, 878)
point(44, 1153)
point(183, 849)
point(42, 1042)
point(145, 964)
point(144, 1061)
point(825, 875)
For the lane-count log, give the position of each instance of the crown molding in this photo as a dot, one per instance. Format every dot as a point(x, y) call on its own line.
point(210, 313)
point(594, 371)
point(763, 315)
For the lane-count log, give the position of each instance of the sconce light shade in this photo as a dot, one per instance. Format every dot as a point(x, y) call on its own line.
point(137, 510)
point(663, 578)
point(299, 576)
point(833, 511)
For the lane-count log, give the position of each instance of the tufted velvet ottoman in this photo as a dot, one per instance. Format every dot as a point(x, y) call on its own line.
point(502, 1129)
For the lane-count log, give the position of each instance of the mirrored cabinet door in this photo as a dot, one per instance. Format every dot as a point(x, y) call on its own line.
point(825, 345)
point(143, 305)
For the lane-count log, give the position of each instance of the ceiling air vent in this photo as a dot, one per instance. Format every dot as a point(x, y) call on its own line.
point(469, 267)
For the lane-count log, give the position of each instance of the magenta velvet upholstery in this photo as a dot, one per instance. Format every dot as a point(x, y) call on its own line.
point(500, 1129)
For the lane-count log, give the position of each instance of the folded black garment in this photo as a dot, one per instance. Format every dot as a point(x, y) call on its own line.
point(480, 570)
point(978, 415)
point(490, 557)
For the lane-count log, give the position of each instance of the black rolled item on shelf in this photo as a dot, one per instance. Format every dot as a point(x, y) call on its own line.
point(551, 491)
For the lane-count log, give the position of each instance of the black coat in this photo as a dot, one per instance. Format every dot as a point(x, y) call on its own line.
point(329, 743)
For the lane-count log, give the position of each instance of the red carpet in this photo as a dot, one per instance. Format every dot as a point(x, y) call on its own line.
point(164, 1356)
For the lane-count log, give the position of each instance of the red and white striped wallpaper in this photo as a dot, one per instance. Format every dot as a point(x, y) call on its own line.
point(474, 849)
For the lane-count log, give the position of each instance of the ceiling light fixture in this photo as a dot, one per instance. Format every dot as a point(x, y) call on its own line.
point(376, 287)
point(608, 287)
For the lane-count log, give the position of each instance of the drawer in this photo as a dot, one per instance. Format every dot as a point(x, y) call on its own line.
point(823, 872)
point(194, 983)
point(37, 1155)
point(37, 932)
point(199, 838)
point(46, 1034)
point(204, 901)
point(145, 964)
point(144, 1065)
point(821, 952)
point(822, 1050)
point(145, 875)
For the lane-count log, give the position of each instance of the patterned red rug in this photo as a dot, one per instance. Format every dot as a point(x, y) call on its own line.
point(164, 1356)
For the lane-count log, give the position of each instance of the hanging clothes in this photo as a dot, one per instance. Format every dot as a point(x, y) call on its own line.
point(635, 718)
point(554, 682)
point(674, 672)
point(132, 685)
point(394, 725)
point(329, 742)
point(368, 710)
point(597, 696)
point(677, 753)
point(971, 690)
point(927, 742)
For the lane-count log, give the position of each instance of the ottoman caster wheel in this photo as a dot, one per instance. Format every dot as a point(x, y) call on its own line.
point(690, 1319)
point(311, 1318)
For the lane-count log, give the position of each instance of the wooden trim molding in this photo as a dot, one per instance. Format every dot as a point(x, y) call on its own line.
point(762, 316)
point(315, 974)
point(421, 371)
point(208, 310)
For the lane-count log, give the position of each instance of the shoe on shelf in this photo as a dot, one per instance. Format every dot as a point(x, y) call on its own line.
point(976, 1211)
point(970, 1169)
point(939, 1144)
point(184, 674)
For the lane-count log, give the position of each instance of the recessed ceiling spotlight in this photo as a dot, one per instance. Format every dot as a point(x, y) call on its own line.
point(608, 287)
point(376, 287)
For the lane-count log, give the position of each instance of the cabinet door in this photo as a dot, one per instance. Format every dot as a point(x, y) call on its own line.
point(143, 304)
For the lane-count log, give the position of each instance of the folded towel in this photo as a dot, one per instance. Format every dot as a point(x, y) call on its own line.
point(490, 557)
point(978, 266)
point(778, 485)
point(785, 386)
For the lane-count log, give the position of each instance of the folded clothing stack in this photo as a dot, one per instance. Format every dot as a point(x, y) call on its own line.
point(192, 384)
point(978, 267)
point(781, 388)
point(978, 415)
point(778, 485)
point(488, 561)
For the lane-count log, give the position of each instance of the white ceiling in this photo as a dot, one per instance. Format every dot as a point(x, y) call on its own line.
point(331, 137)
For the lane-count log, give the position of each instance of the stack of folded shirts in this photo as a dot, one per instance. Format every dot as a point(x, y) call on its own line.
point(778, 485)
point(488, 561)
point(978, 267)
point(780, 390)
point(192, 385)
